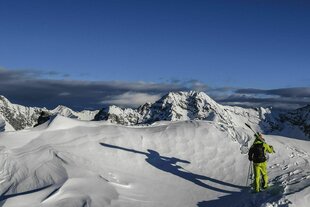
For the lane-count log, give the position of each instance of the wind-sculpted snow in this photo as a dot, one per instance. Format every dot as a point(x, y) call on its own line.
point(18, 176)
point(67, 162)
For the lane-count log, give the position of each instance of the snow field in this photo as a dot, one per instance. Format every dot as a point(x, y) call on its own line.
point(190, 163)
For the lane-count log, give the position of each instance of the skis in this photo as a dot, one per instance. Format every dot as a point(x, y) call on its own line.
point(250, 128)
point(263, 140)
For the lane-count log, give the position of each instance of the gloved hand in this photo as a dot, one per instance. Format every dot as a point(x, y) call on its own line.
point(272, 149)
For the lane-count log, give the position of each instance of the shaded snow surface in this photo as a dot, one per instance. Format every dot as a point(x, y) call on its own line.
point(76, 163)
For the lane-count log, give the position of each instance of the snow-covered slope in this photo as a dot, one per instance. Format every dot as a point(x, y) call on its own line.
point(17, 117)
point(85, 115)
point(67, 162)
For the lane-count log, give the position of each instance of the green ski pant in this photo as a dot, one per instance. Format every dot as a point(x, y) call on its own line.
point(260, 169)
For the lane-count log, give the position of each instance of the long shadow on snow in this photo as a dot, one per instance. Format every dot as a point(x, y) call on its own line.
point(4, 197)
point(233, 200)
point(248, 199)
point(169, 164)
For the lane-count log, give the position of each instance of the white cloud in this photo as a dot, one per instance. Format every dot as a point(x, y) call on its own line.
point(131, 99)
point(33, 88)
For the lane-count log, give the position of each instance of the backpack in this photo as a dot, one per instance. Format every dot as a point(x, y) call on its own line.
point(257, 153)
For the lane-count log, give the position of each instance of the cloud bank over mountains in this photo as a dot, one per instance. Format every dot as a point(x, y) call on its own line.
point(35, 88)
point(280, 98)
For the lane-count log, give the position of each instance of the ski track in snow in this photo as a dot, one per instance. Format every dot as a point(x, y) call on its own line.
point(190, 163)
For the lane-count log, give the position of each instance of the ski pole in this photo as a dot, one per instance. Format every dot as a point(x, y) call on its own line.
point(249, 175)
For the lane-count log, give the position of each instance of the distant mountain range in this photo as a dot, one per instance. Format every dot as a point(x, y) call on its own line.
point(17, 117)
point(174, 106)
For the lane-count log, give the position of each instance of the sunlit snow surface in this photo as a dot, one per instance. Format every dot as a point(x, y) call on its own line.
point(67, 162)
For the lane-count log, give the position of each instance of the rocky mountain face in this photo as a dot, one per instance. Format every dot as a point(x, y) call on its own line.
point(176, 106)
point(17, 117)
point(2, 124)
point(299, 118)
point(118, 115)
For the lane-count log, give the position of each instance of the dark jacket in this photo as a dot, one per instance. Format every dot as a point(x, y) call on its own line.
point(258, 150)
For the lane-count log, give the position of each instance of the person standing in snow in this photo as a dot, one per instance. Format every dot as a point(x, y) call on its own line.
point(257, 154)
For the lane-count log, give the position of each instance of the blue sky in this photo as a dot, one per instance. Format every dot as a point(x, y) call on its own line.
point(259, 44)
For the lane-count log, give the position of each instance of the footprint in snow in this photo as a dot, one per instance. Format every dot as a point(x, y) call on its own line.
point(115, 181)
point(285, 167)
point(274, 166)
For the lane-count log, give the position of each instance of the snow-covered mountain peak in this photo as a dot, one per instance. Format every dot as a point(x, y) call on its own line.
point(18, 116)
point(190, 99)
point(173, 106)
point(81, 115)
point(4, 101)
point(186, 97)
point(61, 107)
point(65, 111)
point(184, 106)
